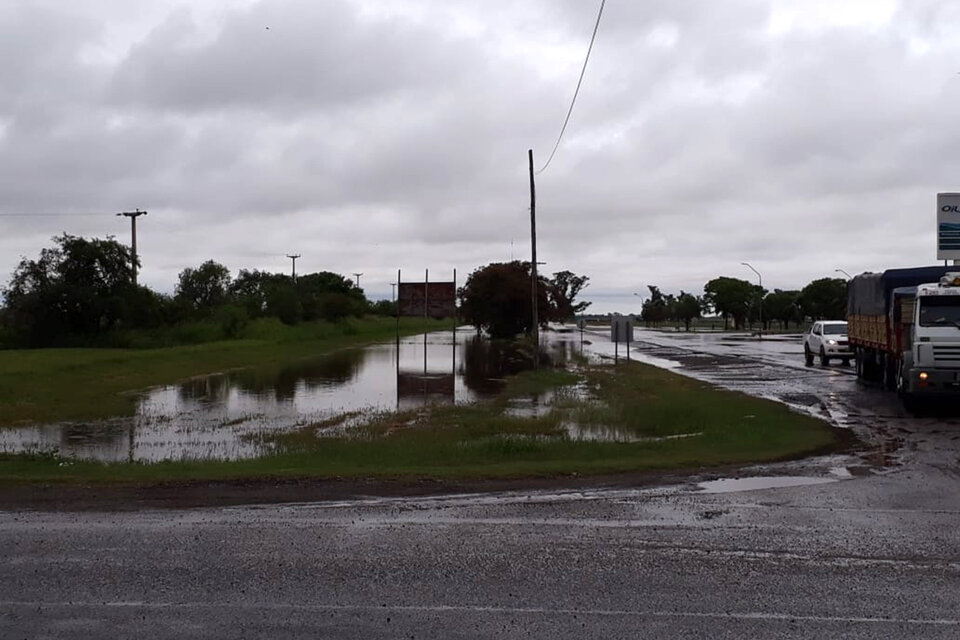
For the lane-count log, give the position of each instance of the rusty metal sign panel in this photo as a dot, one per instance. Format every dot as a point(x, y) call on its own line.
point(431, 299)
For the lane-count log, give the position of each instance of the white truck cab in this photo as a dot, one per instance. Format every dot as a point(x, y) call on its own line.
point(933, 360)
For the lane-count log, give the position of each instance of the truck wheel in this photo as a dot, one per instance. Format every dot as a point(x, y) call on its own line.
point(824, 360)
point(908, 400)
point(807, 356)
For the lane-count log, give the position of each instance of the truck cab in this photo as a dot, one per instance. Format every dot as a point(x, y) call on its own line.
point(931, 324)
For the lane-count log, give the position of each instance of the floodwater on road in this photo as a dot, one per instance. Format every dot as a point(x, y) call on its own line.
point(219, 416)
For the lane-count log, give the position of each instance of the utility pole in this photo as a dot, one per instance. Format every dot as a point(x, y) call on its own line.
point(133, 215)
point(293, 258)
point(533, 264)
point(358, 279)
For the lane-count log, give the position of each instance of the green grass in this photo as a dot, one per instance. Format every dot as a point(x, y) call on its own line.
point(488, 441)
point(51, 385)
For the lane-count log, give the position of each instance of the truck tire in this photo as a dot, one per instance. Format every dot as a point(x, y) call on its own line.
point(807, 355)
point(891, 374)
point(824, 360)
point(908, 400)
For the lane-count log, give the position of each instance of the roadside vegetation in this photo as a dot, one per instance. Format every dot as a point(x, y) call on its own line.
point(739, 303)
point(600, 420)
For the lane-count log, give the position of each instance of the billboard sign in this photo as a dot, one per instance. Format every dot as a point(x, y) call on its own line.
point(427, 299)
point(948, 226)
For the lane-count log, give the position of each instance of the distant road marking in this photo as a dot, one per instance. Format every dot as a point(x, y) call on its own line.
point(746, 615)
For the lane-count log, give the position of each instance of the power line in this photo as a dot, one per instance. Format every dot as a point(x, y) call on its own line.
point(45, 214)
point(577, 91)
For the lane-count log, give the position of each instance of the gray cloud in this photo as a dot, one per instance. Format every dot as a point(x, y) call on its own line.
point(375, 135)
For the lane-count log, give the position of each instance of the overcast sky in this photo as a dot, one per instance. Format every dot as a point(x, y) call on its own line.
point(371, 135)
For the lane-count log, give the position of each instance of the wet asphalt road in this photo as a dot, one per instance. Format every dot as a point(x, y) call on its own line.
point(868, 546)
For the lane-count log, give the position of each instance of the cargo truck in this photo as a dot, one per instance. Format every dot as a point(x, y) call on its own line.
point(904, 327)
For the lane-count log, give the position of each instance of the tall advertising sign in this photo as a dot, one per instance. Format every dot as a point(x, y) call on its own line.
point(948, 226)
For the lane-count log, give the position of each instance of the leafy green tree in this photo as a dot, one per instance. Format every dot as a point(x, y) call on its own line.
point(252, 289)
point(656, 308)
point(204, 288)
point(78, 288)
point(687, 307)
point(565, 286)
point(496, 298)
point(731, 298)
point(782, 307)
point(329, 296)
point(825, 298)
point(384, 308)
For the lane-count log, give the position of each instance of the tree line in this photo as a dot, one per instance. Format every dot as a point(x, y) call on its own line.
point(743, 302)
point(81, 292)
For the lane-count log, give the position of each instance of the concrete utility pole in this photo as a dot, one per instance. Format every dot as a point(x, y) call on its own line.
point(133, 215)
point(747, 265)
point(293, 258)
point(358, 279)
point(533, 264)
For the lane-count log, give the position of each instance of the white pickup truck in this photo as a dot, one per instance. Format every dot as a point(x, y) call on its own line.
point(827, 339)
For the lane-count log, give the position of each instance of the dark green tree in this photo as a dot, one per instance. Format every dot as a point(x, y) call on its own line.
point(329, 296)
point(564, 288)
point(78, 288)
point(825, 298)
point(731, 298)
point(656, 308)
point(204, 288)
point(782, 307)
point(497, 298)
point(687, 307)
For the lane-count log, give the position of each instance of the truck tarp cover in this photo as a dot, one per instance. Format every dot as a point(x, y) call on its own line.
point(869, 293)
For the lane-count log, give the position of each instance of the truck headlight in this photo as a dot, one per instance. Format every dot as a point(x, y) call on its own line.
point(832, 343)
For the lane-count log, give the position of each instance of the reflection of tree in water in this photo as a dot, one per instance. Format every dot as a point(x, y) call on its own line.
point(335, 368)
point(485, 362)
point(106, 441)
point(213, 389)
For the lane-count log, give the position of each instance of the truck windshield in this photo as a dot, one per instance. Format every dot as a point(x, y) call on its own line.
point(940, 311)
point(835, 329)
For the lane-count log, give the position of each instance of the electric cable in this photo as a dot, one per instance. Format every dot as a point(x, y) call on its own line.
point(577, 91)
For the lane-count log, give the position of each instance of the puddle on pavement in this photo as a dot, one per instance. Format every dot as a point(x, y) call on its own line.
point(220, 416)
point(729, 485)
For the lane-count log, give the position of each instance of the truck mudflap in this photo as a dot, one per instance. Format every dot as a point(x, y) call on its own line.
point(932, 381)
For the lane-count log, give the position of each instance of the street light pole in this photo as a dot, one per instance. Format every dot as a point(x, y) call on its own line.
point(749, 266)
point(849, 277)
point(393, 292)
point(358, 279)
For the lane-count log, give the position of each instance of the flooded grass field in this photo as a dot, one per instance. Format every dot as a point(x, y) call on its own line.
point(226, 416)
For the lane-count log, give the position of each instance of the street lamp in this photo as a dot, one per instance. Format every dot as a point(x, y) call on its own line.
point(641, 305)
point(749, 266)
point(849, 277)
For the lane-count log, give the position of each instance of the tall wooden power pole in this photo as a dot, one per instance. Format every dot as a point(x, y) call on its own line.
point(533, 264)
point(293, 258)
point(133, 215)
